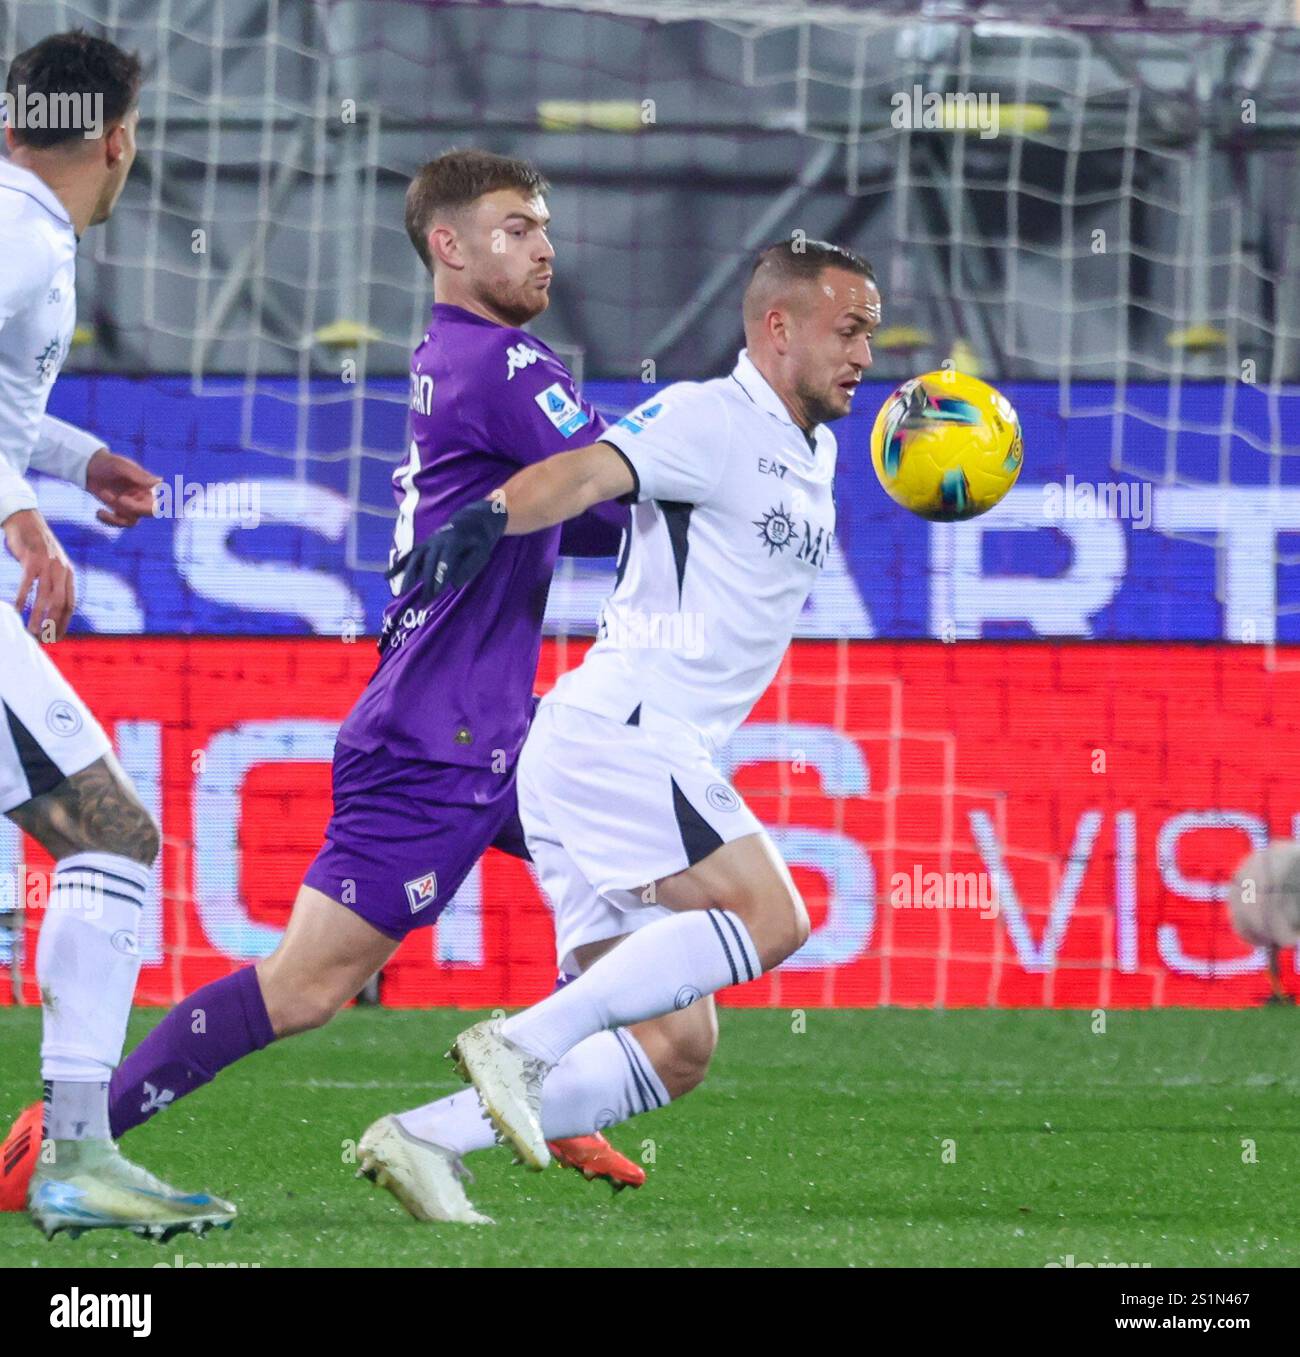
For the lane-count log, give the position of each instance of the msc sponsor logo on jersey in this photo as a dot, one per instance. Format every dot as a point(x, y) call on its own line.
point(519, 357)
point(422, 892)
point(49, 360)
point(636, 420)
point(779, 529)
point(561, 409)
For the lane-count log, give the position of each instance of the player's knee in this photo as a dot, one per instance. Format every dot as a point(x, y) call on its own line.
point(134, 835)
point(149, 843)
point(291, 1005)
point(300, 1012)
point(778, 924)
point(115, 821)
point(692, 1055)
point(680, 1045)
point(683, 1062)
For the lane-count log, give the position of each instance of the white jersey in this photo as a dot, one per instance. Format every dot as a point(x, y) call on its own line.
point(733, 518)
point(38, 312)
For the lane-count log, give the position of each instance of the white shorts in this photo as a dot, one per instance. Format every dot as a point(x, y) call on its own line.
point(608, 809)
point(46, 732)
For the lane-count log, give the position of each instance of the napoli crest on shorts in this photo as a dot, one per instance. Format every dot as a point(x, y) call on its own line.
point(721, 797)
point(422, 892)
point(63, 718)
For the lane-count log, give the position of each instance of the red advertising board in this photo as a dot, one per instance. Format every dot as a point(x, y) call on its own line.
point(971, 824)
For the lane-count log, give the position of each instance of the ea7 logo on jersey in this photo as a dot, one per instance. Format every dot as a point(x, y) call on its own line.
point(422, 892)
point(519, 357)
point(561, 409)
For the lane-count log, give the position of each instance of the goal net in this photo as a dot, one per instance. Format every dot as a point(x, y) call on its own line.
point(987, 792)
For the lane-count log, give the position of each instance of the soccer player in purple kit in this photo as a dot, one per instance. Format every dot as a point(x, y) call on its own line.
point(423, 775)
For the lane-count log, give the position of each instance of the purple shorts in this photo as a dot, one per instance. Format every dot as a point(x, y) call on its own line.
point(406, 832)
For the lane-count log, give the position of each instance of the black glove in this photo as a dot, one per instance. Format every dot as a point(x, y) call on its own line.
point(452, 556)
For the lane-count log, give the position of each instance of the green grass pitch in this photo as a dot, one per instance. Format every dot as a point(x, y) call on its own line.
point(877, 1137)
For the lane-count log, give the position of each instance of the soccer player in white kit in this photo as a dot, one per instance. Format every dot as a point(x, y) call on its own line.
point(638, 838)
point(59, 779)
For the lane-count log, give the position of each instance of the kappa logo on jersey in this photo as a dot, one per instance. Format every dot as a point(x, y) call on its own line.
point(561, 409)
point(519, 357)
point(63, 718)
point(636, 420)
point(422, 892)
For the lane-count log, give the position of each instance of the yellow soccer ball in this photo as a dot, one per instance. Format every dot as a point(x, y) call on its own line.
point(947, 446)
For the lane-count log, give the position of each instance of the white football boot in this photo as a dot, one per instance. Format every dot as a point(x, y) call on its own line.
point(425, 1178)
point(509, 1083)
point(91, 1185)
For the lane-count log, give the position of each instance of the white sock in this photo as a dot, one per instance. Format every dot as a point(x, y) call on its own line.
point(664, 966)
point(75, 1111)
point(601, 1082)
point(87, 961)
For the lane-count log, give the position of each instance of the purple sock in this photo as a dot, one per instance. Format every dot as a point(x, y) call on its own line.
point(205, 1032)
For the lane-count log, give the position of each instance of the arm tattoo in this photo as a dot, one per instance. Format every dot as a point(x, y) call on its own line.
point(93, 811)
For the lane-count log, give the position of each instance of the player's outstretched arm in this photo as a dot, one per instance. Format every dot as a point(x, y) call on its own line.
point(122, 486)
point(562, 487)
point(539, 496)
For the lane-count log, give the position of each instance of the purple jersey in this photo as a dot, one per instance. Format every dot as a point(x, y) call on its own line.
point(455, 677)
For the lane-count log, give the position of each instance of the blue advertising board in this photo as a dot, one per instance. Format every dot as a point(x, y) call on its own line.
point(1156, 526)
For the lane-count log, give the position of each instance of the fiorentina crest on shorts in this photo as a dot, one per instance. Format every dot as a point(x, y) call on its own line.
point(422, 892)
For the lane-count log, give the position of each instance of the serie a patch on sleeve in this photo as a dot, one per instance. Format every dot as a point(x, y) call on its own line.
point(561, 409)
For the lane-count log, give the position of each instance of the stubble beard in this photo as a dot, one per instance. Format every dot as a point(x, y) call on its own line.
point(516, 305)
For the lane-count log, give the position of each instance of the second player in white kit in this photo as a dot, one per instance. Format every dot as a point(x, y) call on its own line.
point(638, 837)
point(619, 782)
